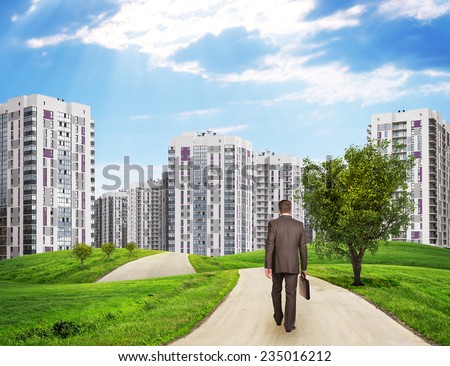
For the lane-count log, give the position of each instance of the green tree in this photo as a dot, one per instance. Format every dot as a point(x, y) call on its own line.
point(82, 251)
point(108, 249)
point(131, 246)
point(357, 202)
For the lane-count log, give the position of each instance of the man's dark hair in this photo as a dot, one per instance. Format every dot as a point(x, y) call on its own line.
point(285, 206)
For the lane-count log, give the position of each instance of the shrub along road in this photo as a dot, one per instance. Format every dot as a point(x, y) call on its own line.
point(333, 316)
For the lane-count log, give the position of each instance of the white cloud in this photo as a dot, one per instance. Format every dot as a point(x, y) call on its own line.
point(48, 41)
point(423, 10)
point(437, 88)
point(160, 28)
point(200, 112)
point(330, 83)
point(229, 129)
point(33, 7)
point(140, 117)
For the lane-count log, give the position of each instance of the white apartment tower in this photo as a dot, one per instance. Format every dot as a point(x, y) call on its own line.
point(277, 177)
point(111, 219)
point(133, 215)
point(145, 213)
point(426, 135)
point(47, 177)
point(209, 201)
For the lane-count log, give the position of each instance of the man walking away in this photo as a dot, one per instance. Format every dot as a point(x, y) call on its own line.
point(285, 241)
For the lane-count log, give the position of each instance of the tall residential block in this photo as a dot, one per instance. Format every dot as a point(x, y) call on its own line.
point(111, 219)
point(133, 215)
point(47, 179)
point(426, 135)
point(145, 215)
point(277, 178)
point(209, 195)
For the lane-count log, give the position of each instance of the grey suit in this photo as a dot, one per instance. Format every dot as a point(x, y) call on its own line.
point(285, 241)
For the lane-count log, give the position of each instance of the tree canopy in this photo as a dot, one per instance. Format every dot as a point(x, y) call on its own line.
point(82, 251)
point(108, 249)
point(356, 202)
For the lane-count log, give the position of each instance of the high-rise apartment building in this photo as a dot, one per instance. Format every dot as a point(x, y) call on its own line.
point(47, 178)
point(426, 135)
point(145, 215)
point(135, 215)
point(209, 195)
point(277, 177)
point(111, 219)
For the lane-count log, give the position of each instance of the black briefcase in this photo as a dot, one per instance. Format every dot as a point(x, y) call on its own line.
point(303, 287)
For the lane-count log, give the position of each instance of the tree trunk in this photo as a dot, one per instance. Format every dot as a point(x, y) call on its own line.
point(357, 266)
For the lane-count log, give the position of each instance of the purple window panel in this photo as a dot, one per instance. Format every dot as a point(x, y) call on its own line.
point(83, 130)
point(83, 235)
point(182, 197)
point(83, 200)
point(48, 249)
point(48, 114)
point(420, 174)
point(420, 206)
point(45, 216)
point(415, 235)
point(417, 124)
point(45, 177)
point(83, 163)
point(185, 153)
point(248, 153)
point(48, 153)
point(83, 140)
point(379, 135)
point(417, 154)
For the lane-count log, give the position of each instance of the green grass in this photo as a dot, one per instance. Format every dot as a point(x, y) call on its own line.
point(61, 267)
point(144, 312)
point(235, 261)
point(410, 281)
point(395, 253)
point(46, 298)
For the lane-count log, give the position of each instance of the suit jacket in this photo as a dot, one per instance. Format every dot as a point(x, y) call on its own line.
point(285, 241)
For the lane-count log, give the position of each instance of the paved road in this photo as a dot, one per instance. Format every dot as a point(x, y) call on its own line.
point(333, 316)
point(158, 265)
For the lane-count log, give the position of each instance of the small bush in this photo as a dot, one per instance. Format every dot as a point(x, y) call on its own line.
point(108, 249)
point(64, 328)
point(82, 251)
point(131, 246)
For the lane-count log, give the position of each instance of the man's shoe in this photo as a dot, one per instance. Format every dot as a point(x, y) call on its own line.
point(290, 330)
point(278, 323)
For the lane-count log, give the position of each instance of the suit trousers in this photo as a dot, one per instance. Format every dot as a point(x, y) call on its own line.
point(290, 285)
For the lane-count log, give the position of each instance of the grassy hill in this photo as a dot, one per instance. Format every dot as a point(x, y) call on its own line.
point(395, 253)
point(47, 299)
point(62, 267)
point(409, 281)
point(124, 313)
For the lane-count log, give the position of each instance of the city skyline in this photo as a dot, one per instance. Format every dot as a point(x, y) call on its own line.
point(299, 77)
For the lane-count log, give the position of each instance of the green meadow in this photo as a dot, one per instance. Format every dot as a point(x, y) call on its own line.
point(47, 299)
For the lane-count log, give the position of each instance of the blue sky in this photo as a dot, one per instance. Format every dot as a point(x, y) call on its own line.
point(299, 77)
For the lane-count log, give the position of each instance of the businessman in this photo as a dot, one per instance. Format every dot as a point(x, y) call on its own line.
point(285, 242)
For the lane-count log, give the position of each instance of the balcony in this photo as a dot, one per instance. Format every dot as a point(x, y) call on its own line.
point(402, 126)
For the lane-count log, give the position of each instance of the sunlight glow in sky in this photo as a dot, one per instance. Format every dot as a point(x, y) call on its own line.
point(299, 77)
